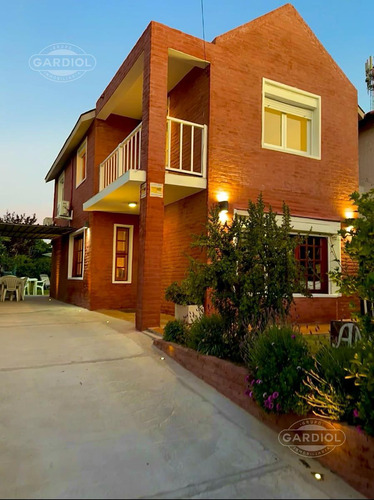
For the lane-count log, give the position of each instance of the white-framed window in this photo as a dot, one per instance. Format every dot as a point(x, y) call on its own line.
point(77, 242)
point(291, 120)
point(81, 164)
point(60, 188)
point(123, 236)
point(318, 254)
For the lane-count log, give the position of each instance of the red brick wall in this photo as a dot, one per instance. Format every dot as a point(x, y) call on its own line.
point(104, 293)
point(182, 220)
point(281, 47)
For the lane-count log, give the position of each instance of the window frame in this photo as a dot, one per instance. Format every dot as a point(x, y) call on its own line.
point(81, 152)
point(293, 101)
point(72, 238)
point(320, 228)
point(324, 262)
point(129, 254)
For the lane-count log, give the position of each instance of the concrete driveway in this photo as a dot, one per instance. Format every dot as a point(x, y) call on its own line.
point(88, 409)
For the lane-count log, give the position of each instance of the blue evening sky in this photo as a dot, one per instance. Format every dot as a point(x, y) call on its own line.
point(36, 114)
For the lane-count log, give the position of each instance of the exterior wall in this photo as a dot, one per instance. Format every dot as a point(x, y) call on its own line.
point(105, 294)
point(279, 46)
point(366, 152)
point(182, 219)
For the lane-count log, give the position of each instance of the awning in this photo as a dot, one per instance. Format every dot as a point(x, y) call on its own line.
point(33, 231)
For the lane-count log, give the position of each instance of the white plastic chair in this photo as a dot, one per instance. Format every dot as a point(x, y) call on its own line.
point(11, 285)
point(24, 287)
point(39, 286)
point(349, 333)
point(45, 279)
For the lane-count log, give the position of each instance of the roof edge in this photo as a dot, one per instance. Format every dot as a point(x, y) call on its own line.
point(57, 164)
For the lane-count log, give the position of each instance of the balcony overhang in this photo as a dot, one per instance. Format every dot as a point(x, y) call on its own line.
point(179, 186)
point(126, 100)
point(117, 196)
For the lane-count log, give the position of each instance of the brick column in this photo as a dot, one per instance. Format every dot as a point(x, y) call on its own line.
point(151, 219)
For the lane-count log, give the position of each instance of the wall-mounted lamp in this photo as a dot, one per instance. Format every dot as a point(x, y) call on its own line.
point(132, 204)
point(223, 207)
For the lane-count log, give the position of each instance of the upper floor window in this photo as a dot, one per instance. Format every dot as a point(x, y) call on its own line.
point(291, 120)
point(122, 253)
point(60, 188)
point(81, 170)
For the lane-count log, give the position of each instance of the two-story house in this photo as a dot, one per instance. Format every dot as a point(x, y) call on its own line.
point(185, 123)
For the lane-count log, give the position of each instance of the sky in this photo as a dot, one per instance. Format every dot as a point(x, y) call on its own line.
point(37, 114)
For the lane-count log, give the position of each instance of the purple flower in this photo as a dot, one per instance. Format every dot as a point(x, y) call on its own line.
point(247, 377)
point(247, 392)
point(359, 429)
point(293, 336)
point(355, 413)
point(264, 395)
point(278, 407)
point(275, 395)
point(258, 381)
point(253, 382)
point(251, 394)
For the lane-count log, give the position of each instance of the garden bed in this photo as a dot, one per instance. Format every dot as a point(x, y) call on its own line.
point(353, 461)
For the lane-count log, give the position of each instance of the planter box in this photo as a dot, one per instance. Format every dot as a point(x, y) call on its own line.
point(353, 461)
point(188, 313)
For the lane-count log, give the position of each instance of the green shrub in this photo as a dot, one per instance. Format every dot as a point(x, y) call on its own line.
point(175, 331)
point(362, 372)
point(207, 336)
point(278, 360)
point(331, 394)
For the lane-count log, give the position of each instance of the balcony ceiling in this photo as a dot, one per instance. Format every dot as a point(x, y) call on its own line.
point(127, 98)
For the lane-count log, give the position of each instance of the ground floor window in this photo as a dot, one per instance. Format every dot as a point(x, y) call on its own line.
point(312, 255)
point(122, 253)
point(76, 254)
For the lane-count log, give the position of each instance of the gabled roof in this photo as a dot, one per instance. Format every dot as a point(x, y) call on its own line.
point(72, 142)
point(288, 9)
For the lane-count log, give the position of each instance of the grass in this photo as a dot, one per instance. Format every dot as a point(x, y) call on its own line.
point(316, 341)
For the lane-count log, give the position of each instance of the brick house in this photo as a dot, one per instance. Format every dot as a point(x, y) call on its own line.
point(185, 123)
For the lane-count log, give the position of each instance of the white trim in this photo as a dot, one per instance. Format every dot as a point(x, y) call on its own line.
point(71, 252)
point(80, 152)
point(317, 227)
point(130, 254)
point(291, 100)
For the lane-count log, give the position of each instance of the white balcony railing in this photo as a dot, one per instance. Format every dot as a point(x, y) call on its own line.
point(186, 152)
point(125, 157)
point(186, 147)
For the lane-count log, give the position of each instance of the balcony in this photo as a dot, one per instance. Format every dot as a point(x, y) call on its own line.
point(121, 172)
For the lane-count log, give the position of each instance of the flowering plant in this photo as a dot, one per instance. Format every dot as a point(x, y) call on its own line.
point(278, 361)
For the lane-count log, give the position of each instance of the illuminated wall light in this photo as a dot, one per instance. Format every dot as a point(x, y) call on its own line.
point(222, 197)
point(132, 204)
point(349, 214)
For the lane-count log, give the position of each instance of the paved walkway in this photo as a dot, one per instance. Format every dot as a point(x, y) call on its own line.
point(89, 409)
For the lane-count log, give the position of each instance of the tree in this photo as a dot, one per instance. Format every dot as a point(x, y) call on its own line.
point(358, 238)
point(23, 256)
point(18, 246)
point(251, 270)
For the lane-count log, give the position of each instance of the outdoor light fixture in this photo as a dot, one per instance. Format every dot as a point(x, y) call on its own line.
point(132, 204)
point(317, 476)
point(223, 207)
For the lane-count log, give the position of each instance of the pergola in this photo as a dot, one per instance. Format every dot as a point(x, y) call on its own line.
point(33, 231)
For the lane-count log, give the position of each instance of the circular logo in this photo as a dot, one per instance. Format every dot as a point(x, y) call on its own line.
point(312, 437)
point(62, 62)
